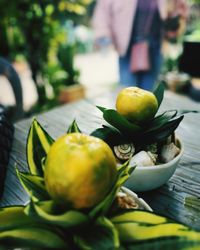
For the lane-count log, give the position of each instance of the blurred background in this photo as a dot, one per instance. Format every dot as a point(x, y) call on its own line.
point(50, 44)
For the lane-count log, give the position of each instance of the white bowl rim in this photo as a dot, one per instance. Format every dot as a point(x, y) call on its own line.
point(135, 196)
point(164, 165)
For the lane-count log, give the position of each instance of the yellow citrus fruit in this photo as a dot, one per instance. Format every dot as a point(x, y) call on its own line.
point(79, 170)
point(136, 104)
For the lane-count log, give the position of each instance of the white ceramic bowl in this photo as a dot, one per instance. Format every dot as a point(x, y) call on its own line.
point(151, 177)
point(142, 204)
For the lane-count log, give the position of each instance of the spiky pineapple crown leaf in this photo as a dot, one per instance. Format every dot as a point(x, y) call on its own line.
point(41, 224)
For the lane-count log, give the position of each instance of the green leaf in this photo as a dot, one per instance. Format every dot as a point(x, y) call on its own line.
point(100, 236)
point(38, 145)
point(73, 128)
point(186, 111)
point(164, 243)
point(102, 208)
point(125, 170)
point(102, 109)
point(110, 135)
point(43, 163)
point(34, 185)
point(162, 132)
point(120, 122)
point(13, 217)
point(160, 120)
point(46, 212)
point(142, 217)
point(141, 226)
point(32, 237)
point(159, 93)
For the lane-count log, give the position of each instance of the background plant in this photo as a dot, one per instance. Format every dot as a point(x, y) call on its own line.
point(33, 29)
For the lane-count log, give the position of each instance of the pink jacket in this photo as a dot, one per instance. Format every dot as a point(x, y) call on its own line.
point(114, 18)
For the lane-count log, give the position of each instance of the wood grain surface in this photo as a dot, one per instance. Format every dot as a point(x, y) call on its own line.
point(167, 200)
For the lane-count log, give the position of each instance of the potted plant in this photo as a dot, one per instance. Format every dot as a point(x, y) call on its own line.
point(47, 223)
point(136, 133)
point(71, 89)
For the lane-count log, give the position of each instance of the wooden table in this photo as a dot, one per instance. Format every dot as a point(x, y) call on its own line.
point(167, 200)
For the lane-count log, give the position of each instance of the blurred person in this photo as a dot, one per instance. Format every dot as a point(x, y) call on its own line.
point(135, 28)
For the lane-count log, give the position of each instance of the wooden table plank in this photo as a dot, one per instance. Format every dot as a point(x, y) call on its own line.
point(167, 200)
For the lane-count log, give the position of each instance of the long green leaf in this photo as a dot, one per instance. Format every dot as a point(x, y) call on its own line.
point(142, 226)
point(38, 145)
point(102, 109)
point(32, 237)
point(162, 132)
point(110, 135)
point(14, 217)
point(160, 120)
point(144, 218)
point(102, 235)
point(159, 93)
point(186, 111)
point(73, 128)
point(34, 185)
point(166, 243)
point(120, 122)
point(102, 208)
point(45, 212)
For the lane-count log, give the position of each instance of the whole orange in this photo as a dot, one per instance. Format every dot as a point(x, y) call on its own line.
point(79, 170)
point(136, 104)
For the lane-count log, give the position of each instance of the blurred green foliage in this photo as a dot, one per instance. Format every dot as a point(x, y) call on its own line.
point(194, 1)
point(37, 31)
point(193, 23)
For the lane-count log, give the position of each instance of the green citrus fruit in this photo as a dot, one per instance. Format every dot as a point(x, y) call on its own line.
point(136, 104)
point(79, 170)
